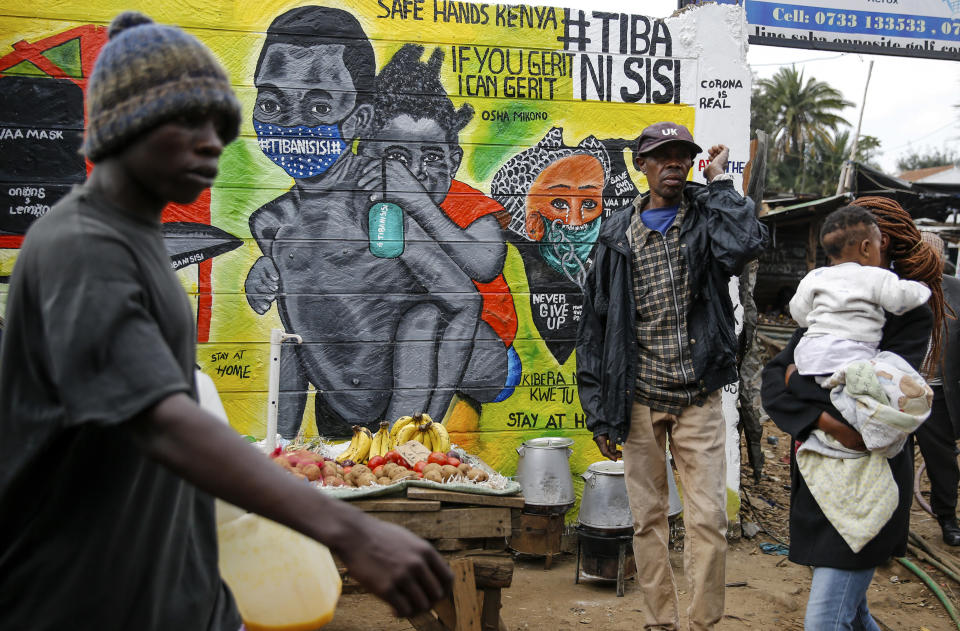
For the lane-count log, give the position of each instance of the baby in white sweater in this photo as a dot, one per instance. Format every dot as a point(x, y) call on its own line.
point(842, 306)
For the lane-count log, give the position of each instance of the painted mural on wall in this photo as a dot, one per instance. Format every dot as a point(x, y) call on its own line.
point(416, 192)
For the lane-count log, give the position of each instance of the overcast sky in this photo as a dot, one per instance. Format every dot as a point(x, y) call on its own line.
point(910, 102)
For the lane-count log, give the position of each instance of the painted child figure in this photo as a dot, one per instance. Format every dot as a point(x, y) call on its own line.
point(879, 394)
point(451, 340)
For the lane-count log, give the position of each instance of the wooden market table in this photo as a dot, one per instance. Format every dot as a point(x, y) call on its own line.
point(471, 530)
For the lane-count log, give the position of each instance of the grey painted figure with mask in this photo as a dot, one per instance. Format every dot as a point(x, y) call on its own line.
point(382, 337)
point(314, 80)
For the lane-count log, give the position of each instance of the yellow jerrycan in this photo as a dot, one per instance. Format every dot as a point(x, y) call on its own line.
point(282, 580)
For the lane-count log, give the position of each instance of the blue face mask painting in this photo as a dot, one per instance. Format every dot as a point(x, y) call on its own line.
point(301, 151)
point(567, 248)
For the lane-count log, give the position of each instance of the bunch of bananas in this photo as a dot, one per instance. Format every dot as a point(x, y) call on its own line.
point(423, 429)
point(359, 448)
point(381, 441)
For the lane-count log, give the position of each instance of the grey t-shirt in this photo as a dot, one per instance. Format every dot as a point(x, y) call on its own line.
point(92, 533)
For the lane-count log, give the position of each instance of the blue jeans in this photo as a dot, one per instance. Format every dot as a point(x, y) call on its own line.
point(838, 601)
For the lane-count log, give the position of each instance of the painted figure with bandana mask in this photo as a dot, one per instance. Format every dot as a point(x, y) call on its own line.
point(564, 205)
point(554, 223)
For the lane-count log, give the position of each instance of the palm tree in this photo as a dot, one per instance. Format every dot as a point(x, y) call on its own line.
point(802, 110)
point(829, 153)
point(799, 112)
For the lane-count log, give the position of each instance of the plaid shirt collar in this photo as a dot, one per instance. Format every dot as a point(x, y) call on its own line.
point(642, 231)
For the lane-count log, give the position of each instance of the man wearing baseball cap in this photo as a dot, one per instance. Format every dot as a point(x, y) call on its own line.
point(655, 345)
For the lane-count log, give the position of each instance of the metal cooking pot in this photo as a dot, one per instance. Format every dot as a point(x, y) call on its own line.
point(604, 501)
point(543, 471)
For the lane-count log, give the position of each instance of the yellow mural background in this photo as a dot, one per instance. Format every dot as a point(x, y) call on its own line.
point(239, 338)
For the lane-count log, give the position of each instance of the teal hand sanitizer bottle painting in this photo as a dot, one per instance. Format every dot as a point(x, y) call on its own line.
point(386, 226)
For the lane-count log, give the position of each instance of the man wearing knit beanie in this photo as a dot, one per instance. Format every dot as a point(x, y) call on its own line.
point(109, 464)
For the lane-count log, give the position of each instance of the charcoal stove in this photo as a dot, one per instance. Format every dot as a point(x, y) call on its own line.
point(538, 531)
point(605, 554)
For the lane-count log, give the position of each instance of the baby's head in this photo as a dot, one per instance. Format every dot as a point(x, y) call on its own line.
point(415, 122)
point(851, 235)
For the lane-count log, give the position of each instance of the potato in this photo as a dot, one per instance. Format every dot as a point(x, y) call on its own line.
point(299, 475)
point(332, 480)
point(329, 469)
point(385, 480)
point(478, 475)
point(433, 475)
point(312, 472)
point(304, 454)
point(360, 469)
point(448, 471)
point(365, 479)
point(402, 474)
point(433, 466)
point(464, 468)
point(390, 467)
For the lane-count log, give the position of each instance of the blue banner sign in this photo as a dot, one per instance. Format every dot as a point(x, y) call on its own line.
point(912, 28)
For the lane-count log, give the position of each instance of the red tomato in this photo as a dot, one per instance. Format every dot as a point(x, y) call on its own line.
point(437, 457)
point(418, 467)
point(378, 471)
point(376, 461)
point(455, 462)
point(346, 470)
point(394, 457)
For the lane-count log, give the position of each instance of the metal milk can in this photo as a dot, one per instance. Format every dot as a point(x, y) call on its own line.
point(604, 503)
point(543, 471)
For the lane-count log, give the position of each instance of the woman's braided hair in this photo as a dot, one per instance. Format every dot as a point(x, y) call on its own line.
point(913, 259)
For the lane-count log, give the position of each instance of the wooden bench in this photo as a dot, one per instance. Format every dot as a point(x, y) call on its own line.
point(475, 602)
point(472, 531)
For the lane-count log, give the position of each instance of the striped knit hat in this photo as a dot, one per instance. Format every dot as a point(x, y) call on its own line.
point(147, 74)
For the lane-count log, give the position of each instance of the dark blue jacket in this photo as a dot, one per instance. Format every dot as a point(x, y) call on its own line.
point(722, 234)
point(795, 410)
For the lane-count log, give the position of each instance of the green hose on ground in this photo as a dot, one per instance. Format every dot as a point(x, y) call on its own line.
point(929, 558)
point(933, 587)
point(932, 552)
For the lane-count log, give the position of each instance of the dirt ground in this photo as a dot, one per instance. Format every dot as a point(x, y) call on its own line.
point(771, 592)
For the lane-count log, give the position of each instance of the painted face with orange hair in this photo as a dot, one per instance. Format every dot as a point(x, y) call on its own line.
point(563, 208)
point(569, 190)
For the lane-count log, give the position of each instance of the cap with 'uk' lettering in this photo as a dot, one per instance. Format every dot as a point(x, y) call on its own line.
point(662, 133)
